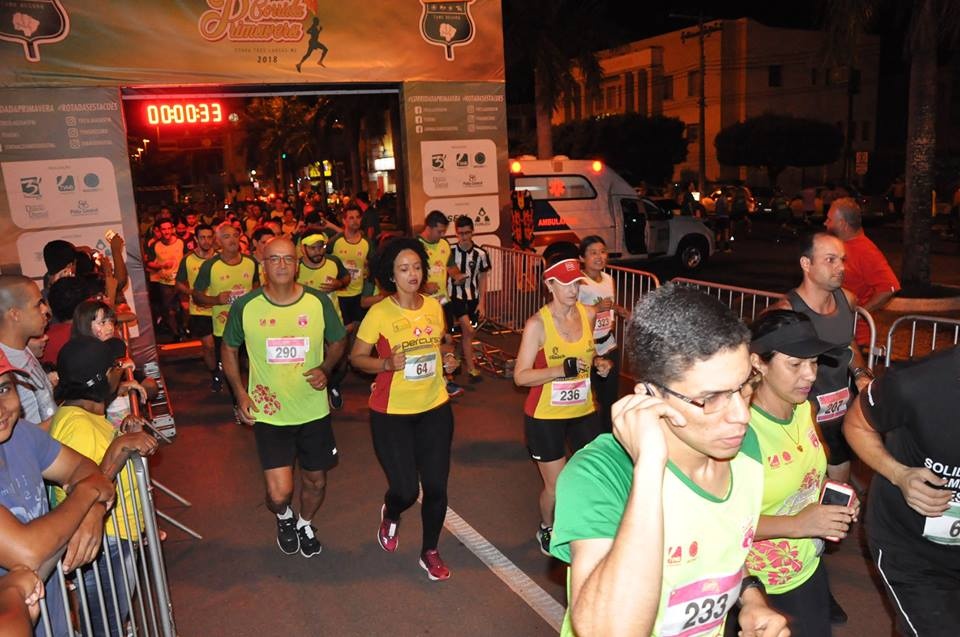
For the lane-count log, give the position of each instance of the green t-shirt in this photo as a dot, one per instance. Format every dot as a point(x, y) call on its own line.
point(794, 466)
point(216, 276)
point(189, 269)
point(283, 342)
point(706, 538)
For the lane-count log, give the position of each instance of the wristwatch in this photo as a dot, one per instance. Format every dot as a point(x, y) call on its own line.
point(748, 582)
point(863, 371)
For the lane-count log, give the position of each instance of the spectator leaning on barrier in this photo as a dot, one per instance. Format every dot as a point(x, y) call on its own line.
point(904, 427)
point(89, 379)
point(681, 471)
point(20, 592)
point(867, 273)
point(33, 535)
point(24, 315)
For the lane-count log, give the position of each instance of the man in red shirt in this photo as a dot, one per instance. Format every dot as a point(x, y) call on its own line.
point(868, 274)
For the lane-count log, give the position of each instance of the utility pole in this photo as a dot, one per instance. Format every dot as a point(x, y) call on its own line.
point(701, 33)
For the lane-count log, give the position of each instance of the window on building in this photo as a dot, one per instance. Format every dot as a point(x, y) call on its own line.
point(629, 93)
point(693, 133)
point(556, 187)
point(693, 84)
point(613, 98)
point(667, 87)
point(775, 75)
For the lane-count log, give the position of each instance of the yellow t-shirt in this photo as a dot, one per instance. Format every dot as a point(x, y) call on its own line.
point(90, 435)
point(564, 397)
point(355, 257)
point(420, 385)
point(438, 258)
point(216, 276)
point(189, 268)
point(331, 270)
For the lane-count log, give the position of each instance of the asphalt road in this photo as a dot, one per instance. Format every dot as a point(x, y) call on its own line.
point(237, 582)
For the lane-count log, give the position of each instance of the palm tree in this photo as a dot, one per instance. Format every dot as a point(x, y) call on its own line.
point(549, 36)
point(928, 25)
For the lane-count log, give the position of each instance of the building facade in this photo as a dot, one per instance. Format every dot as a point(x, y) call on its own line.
point(750, 69)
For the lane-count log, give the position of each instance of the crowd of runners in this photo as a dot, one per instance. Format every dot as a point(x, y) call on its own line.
point(701, 500)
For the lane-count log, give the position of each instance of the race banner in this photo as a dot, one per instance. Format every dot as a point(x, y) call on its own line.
point(156, 42)
point(64, 174)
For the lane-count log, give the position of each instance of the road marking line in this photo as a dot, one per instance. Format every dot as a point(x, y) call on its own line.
point(519, 582)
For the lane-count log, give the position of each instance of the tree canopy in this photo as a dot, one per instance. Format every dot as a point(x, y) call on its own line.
point(776, 141)
point(640, 148)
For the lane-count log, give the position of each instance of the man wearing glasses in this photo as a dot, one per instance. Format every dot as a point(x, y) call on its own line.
point(293, 337)
point(667, 558)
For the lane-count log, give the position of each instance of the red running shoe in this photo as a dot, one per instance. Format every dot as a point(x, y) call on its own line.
point(387, 534)
point(432, 563)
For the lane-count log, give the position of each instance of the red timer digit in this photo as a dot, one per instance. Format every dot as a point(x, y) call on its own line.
point(184, 113)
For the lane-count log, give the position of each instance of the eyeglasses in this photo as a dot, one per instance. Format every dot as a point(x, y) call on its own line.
point(276, 259)
point(718, 401)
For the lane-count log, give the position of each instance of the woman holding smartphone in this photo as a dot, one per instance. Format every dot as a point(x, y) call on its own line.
point(789, 540)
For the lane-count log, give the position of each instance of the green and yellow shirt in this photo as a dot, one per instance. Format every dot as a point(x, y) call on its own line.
point(283, 342)
point(216, 276)
point(355, 258)
point(189, 269)
point(329, 271)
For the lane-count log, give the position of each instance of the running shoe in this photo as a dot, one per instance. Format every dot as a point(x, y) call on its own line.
point(309, 544)
point(432, 563)
point(388, 533)
point(287, 537)
point(453, 389)
point(474, 376)
point(216, 384)
point(543, 539)
point(336, 399)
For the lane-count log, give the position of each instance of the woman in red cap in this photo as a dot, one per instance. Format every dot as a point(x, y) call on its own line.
point(556, 355)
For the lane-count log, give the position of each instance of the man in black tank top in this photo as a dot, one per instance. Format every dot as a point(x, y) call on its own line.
point(832, 310)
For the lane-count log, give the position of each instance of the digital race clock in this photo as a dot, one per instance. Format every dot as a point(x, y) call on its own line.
point(186, 113)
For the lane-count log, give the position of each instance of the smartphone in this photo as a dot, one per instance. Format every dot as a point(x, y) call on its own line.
point(109, 235)
point(836, 493)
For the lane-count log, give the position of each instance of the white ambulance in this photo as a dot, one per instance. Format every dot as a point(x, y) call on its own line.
point(574, 198)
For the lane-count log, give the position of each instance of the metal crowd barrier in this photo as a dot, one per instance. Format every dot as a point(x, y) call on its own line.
point(125, 591)
point(514, 292)
point(942, 332)
point(750, 303)
point(746, 302)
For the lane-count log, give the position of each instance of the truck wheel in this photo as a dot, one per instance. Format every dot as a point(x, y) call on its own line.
point(692, 253)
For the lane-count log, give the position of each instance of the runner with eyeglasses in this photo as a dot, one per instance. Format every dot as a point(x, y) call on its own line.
point(656, 519)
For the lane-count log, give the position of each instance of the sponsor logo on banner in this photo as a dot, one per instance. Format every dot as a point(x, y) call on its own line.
point(65, 183)
point(438, 161)
point(83, 209)
point(30, 187)
point(447, 24)
point(91, 181)
point(480, 159)
point(31, 23)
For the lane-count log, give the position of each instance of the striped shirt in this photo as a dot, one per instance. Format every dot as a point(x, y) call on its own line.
point(473, 263)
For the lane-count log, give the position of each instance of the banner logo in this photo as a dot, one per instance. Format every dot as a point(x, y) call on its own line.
point(253, 21)
point(30, 187)
point(447, 24)
point(31, 23)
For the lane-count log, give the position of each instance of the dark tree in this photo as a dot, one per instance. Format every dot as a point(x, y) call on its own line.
point(777, 141)
point(638, 147)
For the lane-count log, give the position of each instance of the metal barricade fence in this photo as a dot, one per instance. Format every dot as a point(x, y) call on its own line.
point(942, 333)
point(749, 303)
point(514, 290)
point(124, 591)
point(746, 302)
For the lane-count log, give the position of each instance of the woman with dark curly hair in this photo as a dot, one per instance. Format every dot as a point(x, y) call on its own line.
point(403, 340)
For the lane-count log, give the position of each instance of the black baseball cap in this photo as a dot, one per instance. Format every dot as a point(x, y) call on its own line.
point(85, 360)
point(798, 339)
